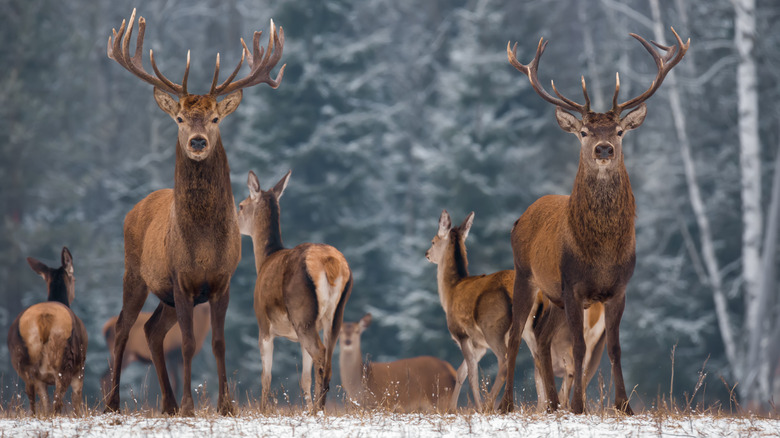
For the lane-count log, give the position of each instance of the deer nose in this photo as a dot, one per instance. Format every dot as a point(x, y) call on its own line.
point(604, 151)
point(198, 143)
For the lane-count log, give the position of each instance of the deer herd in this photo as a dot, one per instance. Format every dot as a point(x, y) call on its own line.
point(573, 257)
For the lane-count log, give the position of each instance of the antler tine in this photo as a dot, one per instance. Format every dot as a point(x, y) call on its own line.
point(617, 90)
point(119, 50)
point(531, 69)
point(674, 54)
point(261, 62)
point(585, 93)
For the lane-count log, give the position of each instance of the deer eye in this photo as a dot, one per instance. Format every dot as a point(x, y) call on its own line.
point(216, 119)
point(179, 119)
point(620, 133)
point(583, 133)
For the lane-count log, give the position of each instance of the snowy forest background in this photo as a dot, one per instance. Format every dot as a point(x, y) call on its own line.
point(389, 112)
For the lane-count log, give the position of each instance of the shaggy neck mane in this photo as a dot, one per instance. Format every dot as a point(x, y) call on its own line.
point(202, 191)
point(58, 290)
point(268, 236)
point(602, 212)
point(456, 261)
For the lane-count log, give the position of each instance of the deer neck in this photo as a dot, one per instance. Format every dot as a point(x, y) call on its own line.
point(601, 213)
point(267, 235)
point(453, 268)
point(351, 369)
point(203, 197)
point(58, 290)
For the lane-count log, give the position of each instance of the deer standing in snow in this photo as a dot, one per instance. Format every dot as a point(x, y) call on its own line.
point(417, 384)
point(183, 244)
point(299, 291)
point(48, 342)
point(580, 249)
point(478, 308)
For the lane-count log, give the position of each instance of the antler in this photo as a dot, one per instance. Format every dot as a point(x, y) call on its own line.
point(119, 50)
point(530, 70)
point(673, 55)
point(260, 66)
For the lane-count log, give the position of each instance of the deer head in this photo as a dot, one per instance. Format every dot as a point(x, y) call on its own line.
point(260, 210)
point(198, 116)
point(601, 134)
point(445, 235)
point(60, 282)
point(351, 331)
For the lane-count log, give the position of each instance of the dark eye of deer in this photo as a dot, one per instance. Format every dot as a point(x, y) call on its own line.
point(179, 119)
point(583, 133)
point(620, 133)
point(215, 120)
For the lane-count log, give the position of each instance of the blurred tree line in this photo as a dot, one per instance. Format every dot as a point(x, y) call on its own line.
point(389, 112)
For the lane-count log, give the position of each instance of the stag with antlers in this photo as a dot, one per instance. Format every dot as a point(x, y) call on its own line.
point(580, 249)
point(183, 244)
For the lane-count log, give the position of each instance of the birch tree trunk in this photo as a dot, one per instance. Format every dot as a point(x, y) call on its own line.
point(697, 203)
point(750, 168)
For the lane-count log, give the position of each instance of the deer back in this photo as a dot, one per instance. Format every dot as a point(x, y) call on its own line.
point(47, 340)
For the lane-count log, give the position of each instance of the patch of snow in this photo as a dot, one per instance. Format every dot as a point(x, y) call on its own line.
point(382, 425)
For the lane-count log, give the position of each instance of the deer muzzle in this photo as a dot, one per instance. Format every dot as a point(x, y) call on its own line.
point(198, 143)
point(604, 151)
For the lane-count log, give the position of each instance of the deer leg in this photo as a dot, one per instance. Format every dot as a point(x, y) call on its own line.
point(459, 379)
point(76, 395)
point(565, 393)
point(522, 302)
point(134, 293)
point(267, 357)
point(184, 306)
point(321, 383)
point(613, 313)
point(543, 364)
point(59, 393)
point(541, 395)
point(306, 378)
point(574, 311)
point(472, 356)
point(29, 388)
point(158, 325)
point(43, 395)
point(218, 312)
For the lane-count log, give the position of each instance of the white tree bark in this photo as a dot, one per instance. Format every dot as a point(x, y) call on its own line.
point(697, 203)
point(750, 169)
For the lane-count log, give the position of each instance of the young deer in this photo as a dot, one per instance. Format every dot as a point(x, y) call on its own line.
point(417, 384)
point(299, 291)
point(48, 342)
point(580, 249)
point(478, 308)
point(137, 349)
point(183, 244)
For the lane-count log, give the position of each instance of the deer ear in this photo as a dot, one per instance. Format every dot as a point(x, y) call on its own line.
point(281, 185)
point(38, 267)
point(254, 185)
point(67, 260)
point(166, 102)
point(567, 121)
point(635, 118)
point(445, 224)
point(365, 321)
point(466, 225)
point(229, 103)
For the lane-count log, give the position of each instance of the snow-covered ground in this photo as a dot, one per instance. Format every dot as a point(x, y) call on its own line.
point(391, 425)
